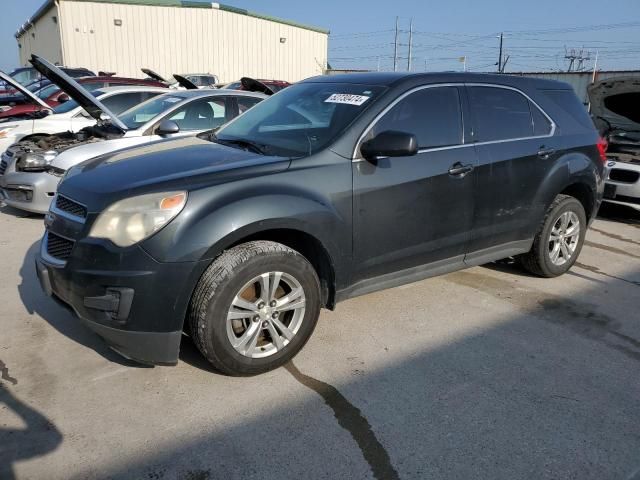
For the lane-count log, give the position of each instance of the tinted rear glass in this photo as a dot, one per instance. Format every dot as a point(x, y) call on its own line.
point(568, 101)
point(500, 114)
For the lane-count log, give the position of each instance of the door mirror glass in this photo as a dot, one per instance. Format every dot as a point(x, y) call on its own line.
point(167, 127)
point(390, 143)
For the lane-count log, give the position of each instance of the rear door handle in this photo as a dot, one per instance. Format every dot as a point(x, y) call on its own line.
point(545, 153)
point(459, 170)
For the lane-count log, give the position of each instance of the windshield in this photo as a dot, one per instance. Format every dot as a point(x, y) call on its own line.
point(141, 114)
point(22, 76)
point(301, 119)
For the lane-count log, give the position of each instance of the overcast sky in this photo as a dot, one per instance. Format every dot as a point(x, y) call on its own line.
point(536, 33)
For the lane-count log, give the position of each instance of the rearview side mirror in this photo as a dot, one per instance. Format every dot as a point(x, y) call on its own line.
point(390, 143)
point(63, 98)
point(167, 127)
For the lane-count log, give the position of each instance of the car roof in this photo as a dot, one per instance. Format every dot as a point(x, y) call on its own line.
point(389, 79)
point(132, 88)
point(207, 92)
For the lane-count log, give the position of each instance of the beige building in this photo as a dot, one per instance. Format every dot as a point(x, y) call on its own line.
point(172, 36)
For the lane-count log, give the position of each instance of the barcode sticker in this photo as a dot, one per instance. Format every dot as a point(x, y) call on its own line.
point(347, 99)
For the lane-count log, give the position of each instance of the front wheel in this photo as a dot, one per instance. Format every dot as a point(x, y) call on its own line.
point(558, 243)
point(254, 308)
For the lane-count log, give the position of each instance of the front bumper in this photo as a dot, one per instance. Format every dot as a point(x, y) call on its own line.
point(30, 191)
point(623, 184)
point(139, 311)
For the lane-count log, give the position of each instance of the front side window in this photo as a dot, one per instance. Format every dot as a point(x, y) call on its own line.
point(245, 103)
point(432, 114)
point(302, 119)
point(500, 114)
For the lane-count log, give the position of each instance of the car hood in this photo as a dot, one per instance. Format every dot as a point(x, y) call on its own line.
point(34, 99)
point(183, 163)
point(153, 75)
point(615, 104)
point(85, 99)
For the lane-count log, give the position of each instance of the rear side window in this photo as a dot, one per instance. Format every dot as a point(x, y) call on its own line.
point(245, 103)
point(500, 114)
point(568, 101)
point(433, 115)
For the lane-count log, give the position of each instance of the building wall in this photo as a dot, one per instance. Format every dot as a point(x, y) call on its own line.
point(580, 81)
point(187, 40)
point(42, 38)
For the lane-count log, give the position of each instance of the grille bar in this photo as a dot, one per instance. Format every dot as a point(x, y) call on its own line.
point(3, 167)
point(59, 247)
point(69, 206)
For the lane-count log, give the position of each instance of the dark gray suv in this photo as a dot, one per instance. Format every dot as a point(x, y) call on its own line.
point(333, 188)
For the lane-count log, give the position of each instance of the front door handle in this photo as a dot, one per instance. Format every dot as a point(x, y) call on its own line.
point(459, 170)
point(545, 153)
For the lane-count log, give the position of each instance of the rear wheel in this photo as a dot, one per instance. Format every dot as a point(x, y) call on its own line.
point(254, 308)
point(558, 243)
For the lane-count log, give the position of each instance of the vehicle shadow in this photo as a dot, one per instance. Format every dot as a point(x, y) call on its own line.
point(545, 391)
point(38, 437)
point(619, 213)
point(58, 315)
point(17, 213)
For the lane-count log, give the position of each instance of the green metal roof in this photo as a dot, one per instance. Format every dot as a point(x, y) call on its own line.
point(42, 11)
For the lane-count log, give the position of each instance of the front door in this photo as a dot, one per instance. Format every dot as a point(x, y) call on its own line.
point(417, 210)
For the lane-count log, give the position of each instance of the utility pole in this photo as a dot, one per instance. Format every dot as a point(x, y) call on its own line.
point(595, 68)
point(395, 49)
point(425, 64)
point(410, 44)
point(378, 63)
point(500, 54)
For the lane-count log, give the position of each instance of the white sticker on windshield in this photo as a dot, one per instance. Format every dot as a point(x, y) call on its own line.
point(347, 99)
point(172, 99)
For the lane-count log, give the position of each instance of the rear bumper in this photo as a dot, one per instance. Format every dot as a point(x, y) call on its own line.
point(139, 313)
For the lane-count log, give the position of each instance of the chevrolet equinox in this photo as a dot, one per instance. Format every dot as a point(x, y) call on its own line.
point(335, 187)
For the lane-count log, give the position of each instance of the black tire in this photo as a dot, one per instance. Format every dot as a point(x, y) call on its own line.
point(537, 260)
point(218, 286)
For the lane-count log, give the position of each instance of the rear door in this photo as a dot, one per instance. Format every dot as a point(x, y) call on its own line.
point(515, 149)
point(412, 211)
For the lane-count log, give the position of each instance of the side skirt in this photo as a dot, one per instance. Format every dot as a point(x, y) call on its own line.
point(441, 267)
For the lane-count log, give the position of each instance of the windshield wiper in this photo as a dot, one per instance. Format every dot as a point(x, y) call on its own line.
point(248, 145)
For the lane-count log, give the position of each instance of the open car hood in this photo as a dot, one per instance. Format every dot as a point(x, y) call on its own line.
point(185, 82)
point(156, 76)
point(615, 104)
point(253, 85)
point(91, 104)
point(19, 87)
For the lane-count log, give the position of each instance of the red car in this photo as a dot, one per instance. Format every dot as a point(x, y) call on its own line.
point(53, 96)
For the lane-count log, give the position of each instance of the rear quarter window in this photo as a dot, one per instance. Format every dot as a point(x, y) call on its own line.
point(568, 101)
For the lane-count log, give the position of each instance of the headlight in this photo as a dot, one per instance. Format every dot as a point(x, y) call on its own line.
point(35, 162)
point(133, 219)
point(5, 130)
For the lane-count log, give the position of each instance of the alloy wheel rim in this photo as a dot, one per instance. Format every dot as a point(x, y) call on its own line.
point(564, 237)
point(265, 314)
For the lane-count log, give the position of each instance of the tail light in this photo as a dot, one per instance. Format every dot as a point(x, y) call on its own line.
point(602, 149)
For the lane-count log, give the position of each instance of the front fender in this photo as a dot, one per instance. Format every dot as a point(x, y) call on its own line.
point(219, 216)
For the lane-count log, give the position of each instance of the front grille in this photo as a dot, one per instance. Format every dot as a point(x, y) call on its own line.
point(623, 176)
point(73, 208)
point(59, 247)
point(3, 167)
point(18, 194)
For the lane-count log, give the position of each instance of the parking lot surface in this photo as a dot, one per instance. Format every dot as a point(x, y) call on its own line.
point(486, 373)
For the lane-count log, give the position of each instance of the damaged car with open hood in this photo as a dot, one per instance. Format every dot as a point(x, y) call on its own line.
point(36, 167)
point(615, 108)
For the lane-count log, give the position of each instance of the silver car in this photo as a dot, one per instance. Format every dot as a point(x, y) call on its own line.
point(37, 167)
point(615, 113)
